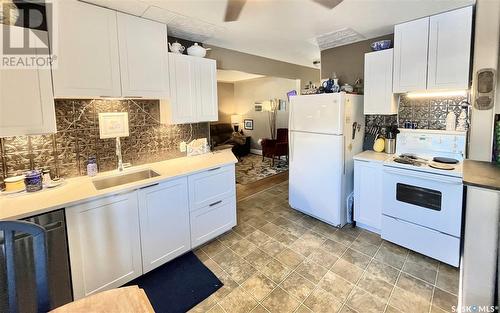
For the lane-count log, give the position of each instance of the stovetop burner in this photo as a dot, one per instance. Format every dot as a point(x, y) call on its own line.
point(406, 160)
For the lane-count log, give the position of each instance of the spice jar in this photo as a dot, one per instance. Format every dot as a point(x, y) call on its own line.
point(33, 181)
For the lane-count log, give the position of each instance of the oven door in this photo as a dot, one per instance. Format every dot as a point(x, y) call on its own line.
point(426, 199)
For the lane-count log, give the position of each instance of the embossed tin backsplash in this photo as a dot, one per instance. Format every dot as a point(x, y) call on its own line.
point(428, 113)
point(77, 138)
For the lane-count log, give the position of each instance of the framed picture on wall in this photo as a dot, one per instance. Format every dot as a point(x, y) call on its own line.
point(282, 105)
point(248, 124)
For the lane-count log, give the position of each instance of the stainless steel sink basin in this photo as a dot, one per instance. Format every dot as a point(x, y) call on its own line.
point(124, 178)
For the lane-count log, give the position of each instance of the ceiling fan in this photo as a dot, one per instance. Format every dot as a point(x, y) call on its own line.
point(234, 7)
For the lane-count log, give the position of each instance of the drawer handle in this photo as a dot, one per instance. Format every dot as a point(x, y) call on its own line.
point(215, 203)
point(214, 169)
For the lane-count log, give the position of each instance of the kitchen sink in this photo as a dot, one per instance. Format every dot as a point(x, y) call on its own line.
point(123, 178)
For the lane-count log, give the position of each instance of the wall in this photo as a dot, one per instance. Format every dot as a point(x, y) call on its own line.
point(66, 152)
point(234, 60)
point(347, 61)
point(246, 93)
point(225, 97)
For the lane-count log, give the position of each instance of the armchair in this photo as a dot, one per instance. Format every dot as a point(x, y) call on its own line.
point(275, 148)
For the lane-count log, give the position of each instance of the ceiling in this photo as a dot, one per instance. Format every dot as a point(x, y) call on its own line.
point(284, 30)
point(227, 76)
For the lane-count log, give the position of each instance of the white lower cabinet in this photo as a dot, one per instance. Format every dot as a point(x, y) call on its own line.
point(164, 217)
point(368, 194)
point(212, 220)
point(117, 238)
point(104, 243)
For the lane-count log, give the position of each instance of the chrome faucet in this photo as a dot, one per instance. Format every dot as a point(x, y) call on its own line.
point(119, 154)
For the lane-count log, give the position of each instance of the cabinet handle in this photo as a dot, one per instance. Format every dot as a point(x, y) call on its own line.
point(214, 169)
point(149, 186)
point(215, 203)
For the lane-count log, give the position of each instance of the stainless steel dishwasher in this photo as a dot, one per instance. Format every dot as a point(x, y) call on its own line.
point(58, 264)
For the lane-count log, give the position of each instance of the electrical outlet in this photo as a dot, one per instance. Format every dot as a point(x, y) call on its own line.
point(182, 146)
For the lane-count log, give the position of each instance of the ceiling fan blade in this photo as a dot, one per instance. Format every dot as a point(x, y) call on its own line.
point(330, 4)
point(233, 10)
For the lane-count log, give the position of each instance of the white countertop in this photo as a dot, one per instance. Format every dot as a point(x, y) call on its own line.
point(81, 189)
point(372, 156)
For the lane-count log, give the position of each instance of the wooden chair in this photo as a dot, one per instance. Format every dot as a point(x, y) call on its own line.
point(275, 148)
point(9, 228)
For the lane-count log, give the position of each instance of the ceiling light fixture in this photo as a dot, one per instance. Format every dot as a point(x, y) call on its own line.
point(441, 94)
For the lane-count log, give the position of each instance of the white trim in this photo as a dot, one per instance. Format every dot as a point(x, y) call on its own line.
point(256, 151)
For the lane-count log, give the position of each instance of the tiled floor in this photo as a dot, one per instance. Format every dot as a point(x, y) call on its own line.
point(279, 260)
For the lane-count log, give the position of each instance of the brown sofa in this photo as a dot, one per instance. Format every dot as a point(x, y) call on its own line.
point(220, 138)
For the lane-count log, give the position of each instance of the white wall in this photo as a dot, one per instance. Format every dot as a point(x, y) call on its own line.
point(248, 92)
point(225, 97)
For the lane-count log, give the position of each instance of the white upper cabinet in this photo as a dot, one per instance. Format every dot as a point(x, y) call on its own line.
point(193, 91)
point(143, 57)
point(26, 100)
point(378, 98)
point(164, 220)
point(410, 55)
point(87, 52)
point(449, 49)
point(207, 109)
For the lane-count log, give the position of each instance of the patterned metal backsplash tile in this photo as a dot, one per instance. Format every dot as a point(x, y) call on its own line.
point(77, 138)
point(428, 113)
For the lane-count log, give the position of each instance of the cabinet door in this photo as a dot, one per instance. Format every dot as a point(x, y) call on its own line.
point(143, 57)
point(26, 100)
point(378, 97)
point(410, 55)
point(104, 243)
point(449, 49)
point(87, 52)
point(182, 88)
point(206, 77)
point(164, 218)
point(368, 194)
point(212, 220)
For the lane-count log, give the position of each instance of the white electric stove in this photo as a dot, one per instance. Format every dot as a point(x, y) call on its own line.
point(422, 193)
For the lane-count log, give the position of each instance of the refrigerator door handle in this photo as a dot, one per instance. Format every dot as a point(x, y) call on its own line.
point(343, 153)
point(290, 145)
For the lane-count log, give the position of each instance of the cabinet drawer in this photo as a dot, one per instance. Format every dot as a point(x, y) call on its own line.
point(212, 220)
point(429, 242)
point(211, 186)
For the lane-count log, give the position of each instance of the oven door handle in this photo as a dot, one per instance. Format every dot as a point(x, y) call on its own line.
point(434, 177)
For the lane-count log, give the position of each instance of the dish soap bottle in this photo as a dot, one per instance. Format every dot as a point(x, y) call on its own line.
point(92, 166)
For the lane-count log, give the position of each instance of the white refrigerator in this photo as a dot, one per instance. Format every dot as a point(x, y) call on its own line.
point(325, 132)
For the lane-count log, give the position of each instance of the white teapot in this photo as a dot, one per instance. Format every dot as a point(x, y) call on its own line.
point(197, 50)
point(176, 47)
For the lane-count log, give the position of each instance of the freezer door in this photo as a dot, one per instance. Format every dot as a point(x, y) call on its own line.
point(322, 113)
point(316, 171)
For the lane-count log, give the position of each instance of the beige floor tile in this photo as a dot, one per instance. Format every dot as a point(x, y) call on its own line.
point(364, 247)
point(244, 229)
point(415, 286)
point(275, 270)
point(347, 270)
point(286, 238)
point(295, 229)
point(321, 301)
point(230, 238)
point(243, 247)
point(303, 309)
point(391, 309)
point(240, 271)
point(435, 309)
point(325, 229)
point(343, 238)
point(213, 266)
point(280, 301)
point(258, 238)
point(370, 237)
point(408, 302)
point(444, 300)
point(258, 285)
point(356, 258)
point(448, 278)
point(238, 301)
point(256, 222)
point(375, 285)
point(273, 247)
point(383, 271)
point(323, 257)
point(270, 229)
point(213, 247)
point(363, 301)
point(336, 285)
point(259, 309)
point(392, 256)
point(201, 255)
point(290, 258)
point(422, 267)
point(216, 309)
point(347, 309)
point(311, 271)
point(258, 258)
point(297, 286)
point(334, 247)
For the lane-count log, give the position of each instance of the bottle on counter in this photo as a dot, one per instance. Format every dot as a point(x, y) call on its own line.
point(92, 166)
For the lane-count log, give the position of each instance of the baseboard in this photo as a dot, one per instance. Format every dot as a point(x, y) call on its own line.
point(256, 151)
